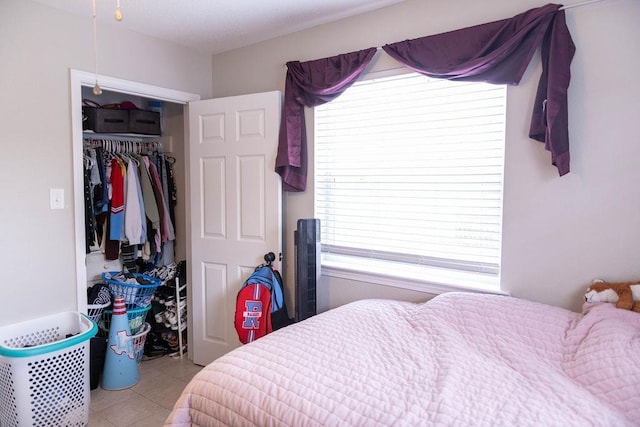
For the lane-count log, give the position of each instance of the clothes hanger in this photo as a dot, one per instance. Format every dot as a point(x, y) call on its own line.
point(133, 159)
point(88, 162)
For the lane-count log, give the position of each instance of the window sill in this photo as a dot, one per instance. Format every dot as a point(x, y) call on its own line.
point(431, 280)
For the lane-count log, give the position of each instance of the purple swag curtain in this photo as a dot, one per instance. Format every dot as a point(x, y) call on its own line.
point(310, 84)
point(499, 52)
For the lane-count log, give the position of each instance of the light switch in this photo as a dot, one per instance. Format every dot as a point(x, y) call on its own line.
point(56, 198)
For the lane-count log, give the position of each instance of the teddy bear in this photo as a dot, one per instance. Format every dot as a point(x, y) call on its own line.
point(626, 295)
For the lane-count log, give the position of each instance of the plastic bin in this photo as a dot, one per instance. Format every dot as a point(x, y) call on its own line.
point(44, 371)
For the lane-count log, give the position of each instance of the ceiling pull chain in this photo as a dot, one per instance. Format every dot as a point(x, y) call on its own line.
point(118, 13)
point(96, 88)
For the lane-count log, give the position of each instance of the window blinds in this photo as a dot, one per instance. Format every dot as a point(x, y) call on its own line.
point(409, 169)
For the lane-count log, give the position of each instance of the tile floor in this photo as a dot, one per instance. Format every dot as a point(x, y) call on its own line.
point(149, 402)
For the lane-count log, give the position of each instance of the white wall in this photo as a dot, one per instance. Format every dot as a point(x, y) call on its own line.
point(38, 46)
point(558, 233)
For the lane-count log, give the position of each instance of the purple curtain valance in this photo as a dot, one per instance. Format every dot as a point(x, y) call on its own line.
point(310, 84)
point(499, 52)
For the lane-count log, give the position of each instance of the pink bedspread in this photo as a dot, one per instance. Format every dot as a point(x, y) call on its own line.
point(459, 359)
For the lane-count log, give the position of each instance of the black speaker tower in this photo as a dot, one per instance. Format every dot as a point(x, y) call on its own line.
point(307, 241)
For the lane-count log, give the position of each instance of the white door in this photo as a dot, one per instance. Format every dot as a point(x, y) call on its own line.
point(236, 209)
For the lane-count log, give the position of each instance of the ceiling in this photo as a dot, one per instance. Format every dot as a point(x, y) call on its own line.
point(215, 26)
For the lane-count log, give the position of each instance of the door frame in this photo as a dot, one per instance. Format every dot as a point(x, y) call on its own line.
point(78, 79)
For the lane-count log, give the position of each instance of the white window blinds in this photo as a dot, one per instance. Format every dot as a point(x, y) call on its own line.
point(409, 169)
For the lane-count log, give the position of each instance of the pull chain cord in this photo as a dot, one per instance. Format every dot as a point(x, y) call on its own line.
point(118, 13)
point(96, 88)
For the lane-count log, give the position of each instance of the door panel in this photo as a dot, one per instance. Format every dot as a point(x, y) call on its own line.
point(213, 195)
point(251, 171)
point(236, 209)
point(215, 307)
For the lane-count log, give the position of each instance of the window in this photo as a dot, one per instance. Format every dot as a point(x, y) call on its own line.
point(408, 178)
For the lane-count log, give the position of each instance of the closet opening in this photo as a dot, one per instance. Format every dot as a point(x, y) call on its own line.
point(166, 151)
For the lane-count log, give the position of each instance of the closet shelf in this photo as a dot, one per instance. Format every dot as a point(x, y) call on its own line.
point(117, 136)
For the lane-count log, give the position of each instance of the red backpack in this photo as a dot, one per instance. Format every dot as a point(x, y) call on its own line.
point(260, 304)
point(253, 312)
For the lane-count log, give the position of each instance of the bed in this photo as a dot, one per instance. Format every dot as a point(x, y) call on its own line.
point(459, 359)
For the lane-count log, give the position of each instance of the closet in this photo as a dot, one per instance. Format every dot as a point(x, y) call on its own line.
point(229, 207)
point(151, 241)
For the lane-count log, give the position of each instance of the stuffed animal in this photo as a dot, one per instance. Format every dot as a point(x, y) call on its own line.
point(626, 295)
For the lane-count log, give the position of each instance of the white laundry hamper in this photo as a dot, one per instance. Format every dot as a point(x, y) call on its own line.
point(44, 371)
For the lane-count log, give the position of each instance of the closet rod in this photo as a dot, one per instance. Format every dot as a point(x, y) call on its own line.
point(122, 145)
point(118, 137)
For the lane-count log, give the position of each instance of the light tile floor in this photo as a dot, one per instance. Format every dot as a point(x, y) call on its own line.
point(149, 402)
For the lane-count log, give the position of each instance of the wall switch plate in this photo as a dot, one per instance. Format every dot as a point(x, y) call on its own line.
point(56, 198)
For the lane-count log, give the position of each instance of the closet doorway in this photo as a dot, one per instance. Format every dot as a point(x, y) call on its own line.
point(90, 265)
point(232, 198)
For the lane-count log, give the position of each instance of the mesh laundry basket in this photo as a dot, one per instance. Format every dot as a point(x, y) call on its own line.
point(138, 341)
point(94, 311)
point(44, 371)
point(135, 294)
point(136, 318)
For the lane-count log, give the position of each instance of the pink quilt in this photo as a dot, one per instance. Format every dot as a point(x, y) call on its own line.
point(460, 359)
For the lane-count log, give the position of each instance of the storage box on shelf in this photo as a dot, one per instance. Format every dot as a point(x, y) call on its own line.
point(105, 120)
point(144, 122)
point(113, 120)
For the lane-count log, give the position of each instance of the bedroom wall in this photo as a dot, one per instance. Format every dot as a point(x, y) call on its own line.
point(558, 233)
point(38, 46)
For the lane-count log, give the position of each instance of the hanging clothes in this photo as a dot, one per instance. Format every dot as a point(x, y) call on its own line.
point(128, 202)
point(166, 227)
point(117, 180)
point(173, 190)
point(151, 200)
point(101, 190)
point(90, 221)
point(168, 250)
point(148, 197)
point(135, 224)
